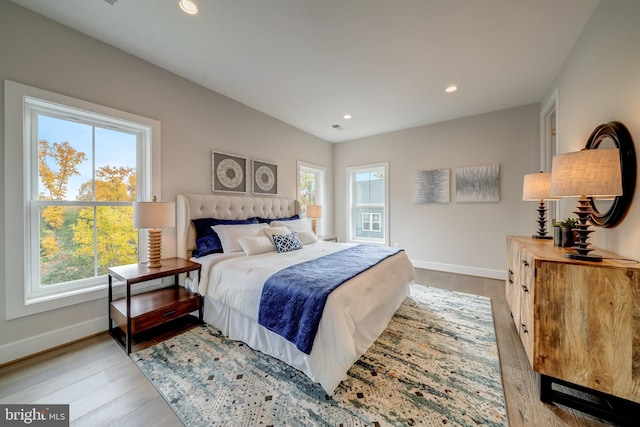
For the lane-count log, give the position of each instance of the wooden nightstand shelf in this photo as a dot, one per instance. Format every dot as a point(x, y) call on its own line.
point(137, 313)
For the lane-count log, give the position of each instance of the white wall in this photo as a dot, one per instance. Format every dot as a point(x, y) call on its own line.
point(599, 83)
point(41, 53)
point(467, 238)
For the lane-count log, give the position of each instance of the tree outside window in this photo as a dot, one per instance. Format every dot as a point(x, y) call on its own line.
point(87, 181)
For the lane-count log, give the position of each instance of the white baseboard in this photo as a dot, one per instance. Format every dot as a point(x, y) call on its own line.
point(460, 269)
point(32, 345)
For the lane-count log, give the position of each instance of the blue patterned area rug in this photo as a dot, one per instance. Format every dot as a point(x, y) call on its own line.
point(436, 364)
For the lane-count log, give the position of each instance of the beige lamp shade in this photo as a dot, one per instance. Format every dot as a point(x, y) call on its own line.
point(154, 214)
point(537, 186)
point(314, 211)
point(592, 173)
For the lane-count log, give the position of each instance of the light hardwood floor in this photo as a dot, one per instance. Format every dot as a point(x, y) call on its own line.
point(104, 387)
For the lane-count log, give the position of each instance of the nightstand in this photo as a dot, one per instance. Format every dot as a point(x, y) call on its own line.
point(328, 238)
point(137, 313)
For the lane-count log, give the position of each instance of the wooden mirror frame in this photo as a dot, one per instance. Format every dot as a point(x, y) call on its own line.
point(621, 137)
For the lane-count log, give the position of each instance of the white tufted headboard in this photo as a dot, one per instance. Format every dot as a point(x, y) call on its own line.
point(194, 206)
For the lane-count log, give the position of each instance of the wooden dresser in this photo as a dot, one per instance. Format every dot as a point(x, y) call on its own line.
point(579, 321)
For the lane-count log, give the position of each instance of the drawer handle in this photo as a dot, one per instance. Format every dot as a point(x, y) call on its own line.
point(524, 329)
point(525, 263)
point(168, 313)
point(510, 277)
point(524, 288)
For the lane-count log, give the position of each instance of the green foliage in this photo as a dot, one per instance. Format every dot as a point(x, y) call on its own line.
point(71, 248)
point(307, 190)
point(568, 222)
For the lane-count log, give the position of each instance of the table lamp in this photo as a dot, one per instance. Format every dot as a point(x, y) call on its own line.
point(537, 187)
point(314, 212)
point(584, 174)
point(154, 216)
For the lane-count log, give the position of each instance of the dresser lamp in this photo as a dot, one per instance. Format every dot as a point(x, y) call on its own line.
point(584, 174)
point(537, 187)
point(314, 212)
point(154, 216)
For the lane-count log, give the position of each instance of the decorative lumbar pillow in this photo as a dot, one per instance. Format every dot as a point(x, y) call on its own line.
point(300, 226)
point(207, 241)
point(229, 234)
point(254, 245)
point(287, 242)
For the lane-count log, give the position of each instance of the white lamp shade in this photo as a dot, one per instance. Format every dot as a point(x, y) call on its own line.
point(154, 214)
point(592, 173)
point(314, 211)
point(537, 186)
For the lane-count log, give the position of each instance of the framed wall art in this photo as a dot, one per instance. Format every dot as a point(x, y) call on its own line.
point(478, 184)
point(265, 177)
point(431, 186)
point(228, 172)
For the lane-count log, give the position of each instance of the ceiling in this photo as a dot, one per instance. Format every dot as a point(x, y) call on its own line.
point(309, 62)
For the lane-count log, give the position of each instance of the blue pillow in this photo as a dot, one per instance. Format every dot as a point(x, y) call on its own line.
point(287, 242)
point(268, 220)
point(207, 240)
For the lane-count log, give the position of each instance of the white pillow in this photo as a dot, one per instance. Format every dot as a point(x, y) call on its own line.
point(300, 226)
point(254, 245)
point(229, 234)
point(278, 231)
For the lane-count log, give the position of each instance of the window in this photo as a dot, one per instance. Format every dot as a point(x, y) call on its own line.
point(368, 202)
point(371, 222)
point(311, 189)
point(82, 166)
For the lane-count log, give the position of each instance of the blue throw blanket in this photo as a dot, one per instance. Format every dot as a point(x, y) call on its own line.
point(293, 299)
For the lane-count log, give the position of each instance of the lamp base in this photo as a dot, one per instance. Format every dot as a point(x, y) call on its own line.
point(154, 248)
point(542, 220)
point(581, 257)
point(149, 265)
point(581, 246)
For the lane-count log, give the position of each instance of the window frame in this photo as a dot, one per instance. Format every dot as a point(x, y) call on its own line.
point(21, 224)
point(351, 171)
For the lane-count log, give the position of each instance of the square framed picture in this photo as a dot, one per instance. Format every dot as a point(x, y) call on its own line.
point(478, 184)
point(431, 186)
point(228, 172)
point(265, 177)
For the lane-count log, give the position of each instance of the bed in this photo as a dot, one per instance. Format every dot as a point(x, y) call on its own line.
point(354, 315)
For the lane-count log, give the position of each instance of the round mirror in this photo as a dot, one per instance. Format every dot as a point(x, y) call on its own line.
point(609, 212)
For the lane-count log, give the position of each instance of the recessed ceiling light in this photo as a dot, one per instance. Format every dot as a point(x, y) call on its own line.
point(188, 6)
point(347, 117)
point(451, 89)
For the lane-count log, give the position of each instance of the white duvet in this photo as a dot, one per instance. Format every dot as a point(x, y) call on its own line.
point(354, 316)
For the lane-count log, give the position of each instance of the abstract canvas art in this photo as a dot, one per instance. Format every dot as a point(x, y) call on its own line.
point(265, 178)
point(478, 184)
point(228, 172)
point(431, 186)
